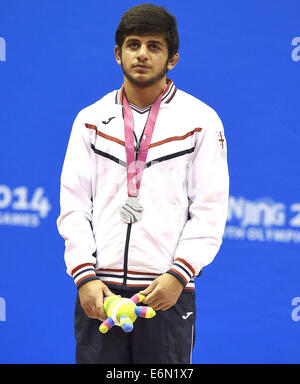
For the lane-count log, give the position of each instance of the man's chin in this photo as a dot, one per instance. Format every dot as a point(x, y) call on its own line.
point(143, 81)
point(140, 81)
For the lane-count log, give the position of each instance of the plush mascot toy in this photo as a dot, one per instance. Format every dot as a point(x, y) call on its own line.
point(123, 312)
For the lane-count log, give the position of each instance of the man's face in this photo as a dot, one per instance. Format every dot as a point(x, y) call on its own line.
point(144, 59)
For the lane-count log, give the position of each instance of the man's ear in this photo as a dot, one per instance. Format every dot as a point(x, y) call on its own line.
point(118, 54)
point(173, 61)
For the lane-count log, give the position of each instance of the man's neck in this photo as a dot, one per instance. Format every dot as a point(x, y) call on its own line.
point(143, 96)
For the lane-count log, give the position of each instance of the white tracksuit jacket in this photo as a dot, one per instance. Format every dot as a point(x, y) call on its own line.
point(184, 192)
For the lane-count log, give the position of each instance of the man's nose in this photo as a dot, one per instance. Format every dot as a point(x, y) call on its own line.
point(143, 53)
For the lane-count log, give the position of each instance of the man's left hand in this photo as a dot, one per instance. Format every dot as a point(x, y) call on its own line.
point(163, 293)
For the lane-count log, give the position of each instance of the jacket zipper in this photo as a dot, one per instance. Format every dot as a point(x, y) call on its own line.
point(125, 266)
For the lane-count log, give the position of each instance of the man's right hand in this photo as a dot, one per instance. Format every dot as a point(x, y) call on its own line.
point(91, 296)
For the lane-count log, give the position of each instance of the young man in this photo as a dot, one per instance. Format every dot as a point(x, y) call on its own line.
point(144, 192)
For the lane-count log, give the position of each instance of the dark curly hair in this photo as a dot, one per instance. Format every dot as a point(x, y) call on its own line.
point(149, 19)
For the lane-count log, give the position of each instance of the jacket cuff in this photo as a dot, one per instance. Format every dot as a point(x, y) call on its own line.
point(83, 273)
point(182, 270)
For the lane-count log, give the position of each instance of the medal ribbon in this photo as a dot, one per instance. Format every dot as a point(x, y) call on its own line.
point(135, 168)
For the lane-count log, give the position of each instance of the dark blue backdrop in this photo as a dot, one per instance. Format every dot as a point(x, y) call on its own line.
point(240, 57)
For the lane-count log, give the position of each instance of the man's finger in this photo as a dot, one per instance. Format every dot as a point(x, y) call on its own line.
point(148, 290)
point(107, 292)
point(156, 305)
point(165, 307)
point(150, 299)
point(92, 313)
point(100, 313)
point(159, 306)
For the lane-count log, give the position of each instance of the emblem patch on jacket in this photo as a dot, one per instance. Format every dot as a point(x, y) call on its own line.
point(221, 143)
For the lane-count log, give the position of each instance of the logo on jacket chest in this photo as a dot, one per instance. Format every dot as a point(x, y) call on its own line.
point(109, 120)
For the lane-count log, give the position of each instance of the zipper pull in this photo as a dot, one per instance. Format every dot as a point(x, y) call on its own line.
point(138, 148)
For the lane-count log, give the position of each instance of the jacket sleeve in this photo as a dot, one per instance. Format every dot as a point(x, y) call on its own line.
point(74, 222)
point(208, 190)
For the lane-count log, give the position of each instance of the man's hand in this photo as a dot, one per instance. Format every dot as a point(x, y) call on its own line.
point(91, 298)
point(163, 293)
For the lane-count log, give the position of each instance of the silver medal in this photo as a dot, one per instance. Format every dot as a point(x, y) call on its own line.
point(132, 210)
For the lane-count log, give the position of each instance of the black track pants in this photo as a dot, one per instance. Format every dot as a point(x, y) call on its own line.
point(167, 338)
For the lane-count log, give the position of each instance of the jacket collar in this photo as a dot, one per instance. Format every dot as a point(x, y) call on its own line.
point(168, 94)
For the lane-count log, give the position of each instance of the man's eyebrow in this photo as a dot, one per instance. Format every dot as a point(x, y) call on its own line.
point(133, 39)
point(156, 42)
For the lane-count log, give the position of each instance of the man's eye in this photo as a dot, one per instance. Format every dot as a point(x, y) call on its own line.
point(154, 47)
point(133, 45)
